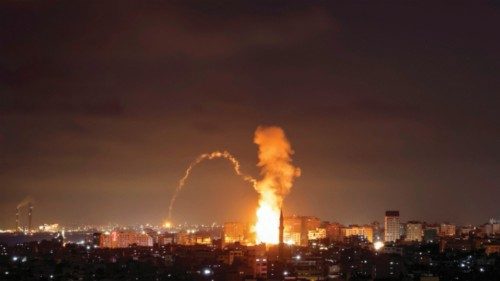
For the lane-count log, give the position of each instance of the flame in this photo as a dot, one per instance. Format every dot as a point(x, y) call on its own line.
point(278, 174)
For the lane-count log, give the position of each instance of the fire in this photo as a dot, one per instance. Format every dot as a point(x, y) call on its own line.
point(267, 226)
point(277, 179)
point(278, 175)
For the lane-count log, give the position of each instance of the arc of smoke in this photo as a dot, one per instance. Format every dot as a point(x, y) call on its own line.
point(209, 156)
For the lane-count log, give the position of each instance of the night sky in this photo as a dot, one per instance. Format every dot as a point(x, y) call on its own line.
point(104, 103)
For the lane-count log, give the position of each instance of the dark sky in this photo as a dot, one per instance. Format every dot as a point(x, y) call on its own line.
point(394, 106)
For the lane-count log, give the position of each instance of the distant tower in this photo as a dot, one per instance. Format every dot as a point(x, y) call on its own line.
point(391, 225)
point(282, 227)
point(30, 217)
point(17, 219)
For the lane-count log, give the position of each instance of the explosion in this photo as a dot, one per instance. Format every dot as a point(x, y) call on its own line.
point(278, 174)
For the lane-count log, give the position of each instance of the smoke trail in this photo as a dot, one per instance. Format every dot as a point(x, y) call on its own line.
point(25, 201)
point(278, 174)
point(208, 156)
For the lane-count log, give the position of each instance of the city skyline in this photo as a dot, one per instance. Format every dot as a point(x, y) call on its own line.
point(102, 108)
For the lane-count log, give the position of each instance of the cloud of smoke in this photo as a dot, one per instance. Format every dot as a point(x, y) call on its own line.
point(278, 175)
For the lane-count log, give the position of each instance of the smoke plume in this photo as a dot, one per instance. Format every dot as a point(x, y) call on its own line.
point(25, 201)
point(278, 175)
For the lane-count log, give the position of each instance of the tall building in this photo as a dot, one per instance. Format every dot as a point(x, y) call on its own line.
point(296, 229)
point(414, 231)
point(235, 232)
point(308, 223)
point(292, 230)
point(447, 229)
point(391, 225)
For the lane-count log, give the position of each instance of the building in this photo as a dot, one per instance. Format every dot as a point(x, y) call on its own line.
point(123, 239)
point(316, 234)
point(333, 231)
point(414, 231)
point(166, 238)
point(492, 228)
point(447, 229)
point(296, 229)
point(292, 238)
point(235, 232)
point(492, 249)
point(257, 260)
point(193, 238)
point(391, 226)
point(308, 223)
point(455, 244)
point(378, 232)
point(365, 231)
point(292, 230)
point(466, 230)
point(49, 227)
point(430, 235)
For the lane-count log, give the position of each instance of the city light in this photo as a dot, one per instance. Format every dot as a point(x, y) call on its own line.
point(378, 245)
point(207, 272)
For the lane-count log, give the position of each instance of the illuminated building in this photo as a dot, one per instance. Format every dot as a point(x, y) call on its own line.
point(257, 260)
point(260, 268)
point(310, 223)
point(316, 234)
point(297, 229)
point(391, 225)
point(447, 229)
point(291, 238)
point(123, 239)
point(414, 231)
point(365, 231)
point(292, 230)
point(492, 249)
point(466, 229)
point(491, 228)
point(236, 232)
point(49, 227)
point(166, 238)
point(192, 237)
